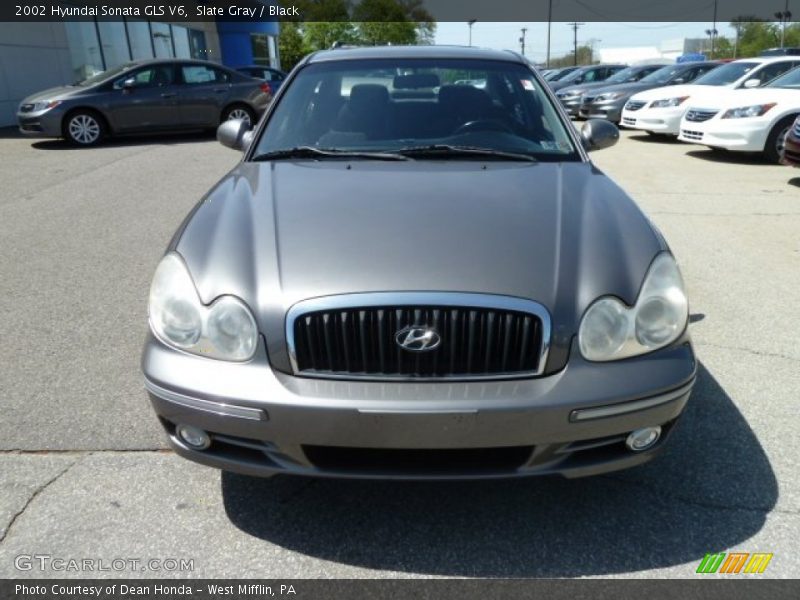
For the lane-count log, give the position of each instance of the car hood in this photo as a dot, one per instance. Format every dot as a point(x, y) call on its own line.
point(582, 87)
point(628, 88)
point(748, 97)
point(562, 234)
point(55, 93)
point(674, 91)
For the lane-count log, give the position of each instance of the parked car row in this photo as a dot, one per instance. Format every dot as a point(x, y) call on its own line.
point(746, 105)
point(145, 96)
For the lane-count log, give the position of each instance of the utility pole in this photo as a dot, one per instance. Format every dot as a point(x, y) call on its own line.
point(549, 23)
point(470, 23)
point(522, 40)
point(575, 39)
point(783, 17)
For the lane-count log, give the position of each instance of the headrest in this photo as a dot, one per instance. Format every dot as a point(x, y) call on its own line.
point(368, 95)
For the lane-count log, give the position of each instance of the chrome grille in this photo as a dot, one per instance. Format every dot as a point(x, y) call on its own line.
point(357, 336)
point(698, 115)
point(635, 104)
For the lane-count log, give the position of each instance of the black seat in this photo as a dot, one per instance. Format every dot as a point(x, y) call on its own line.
point(367, 112)
point(460, 104)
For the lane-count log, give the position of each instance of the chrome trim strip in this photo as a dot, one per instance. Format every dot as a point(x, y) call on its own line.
point(456, 299)
point(208, 406)
point(612, 410)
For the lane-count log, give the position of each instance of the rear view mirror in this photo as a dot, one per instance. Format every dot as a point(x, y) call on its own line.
point(235, 134)
point(598, 134)
point(752, 83)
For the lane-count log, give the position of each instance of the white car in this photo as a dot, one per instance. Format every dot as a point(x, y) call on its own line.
point(660, 110)
point(746, 120)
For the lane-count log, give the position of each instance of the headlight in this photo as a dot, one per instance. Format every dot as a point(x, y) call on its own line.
point(607, 97)
point(744, 112)
point(226, 329)
point(667, 102)
point(610, 330)
point(46, 105)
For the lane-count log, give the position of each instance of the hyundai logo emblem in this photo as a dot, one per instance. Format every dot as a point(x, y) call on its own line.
point(417, 338)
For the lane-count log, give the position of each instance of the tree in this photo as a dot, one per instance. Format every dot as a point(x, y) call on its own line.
point(291, 45)
point(585, 57)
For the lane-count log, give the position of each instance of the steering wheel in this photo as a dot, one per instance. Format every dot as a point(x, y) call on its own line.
point(483, 125)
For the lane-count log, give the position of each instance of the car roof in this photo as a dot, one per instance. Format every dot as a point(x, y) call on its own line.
point(402, 52)
point(160, 61)
point(766, 59)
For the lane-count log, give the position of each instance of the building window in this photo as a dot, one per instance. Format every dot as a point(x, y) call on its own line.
point(162, 40)
point(197, 44)
point(114, 43)
point(180, 37)
point(84, 49)
point(258, 41)
point(139, 39)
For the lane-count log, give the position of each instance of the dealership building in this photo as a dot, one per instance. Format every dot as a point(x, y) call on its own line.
point(38, 55)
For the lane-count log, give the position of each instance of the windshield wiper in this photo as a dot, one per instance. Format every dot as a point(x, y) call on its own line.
point(445, 150)
point(319, 153)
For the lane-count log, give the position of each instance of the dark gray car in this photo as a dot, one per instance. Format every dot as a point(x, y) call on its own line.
point(429, 285)
point(144, 96)
point(590, 74)
point(606, 102)
point(570, 96)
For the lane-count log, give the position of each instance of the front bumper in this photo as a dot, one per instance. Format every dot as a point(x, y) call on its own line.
point(742, 135)
point(264, 422)
point(609, 111)
point(659, 120)
point(791, 152)
point(572, 104)
point(40, 124)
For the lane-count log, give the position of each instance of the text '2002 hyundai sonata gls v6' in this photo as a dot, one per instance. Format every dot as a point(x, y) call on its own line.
point(411, 277)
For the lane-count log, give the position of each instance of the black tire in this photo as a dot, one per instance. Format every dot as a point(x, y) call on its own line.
point(775, 139)
point(84, 127)
point(237, 111)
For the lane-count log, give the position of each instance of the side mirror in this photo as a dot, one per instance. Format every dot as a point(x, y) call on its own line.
point(752, 83)
point(235, 133)
point(129, 84)
point(598, 134)
point(679, 81)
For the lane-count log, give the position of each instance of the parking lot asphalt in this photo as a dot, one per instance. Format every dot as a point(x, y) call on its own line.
point(83, 467)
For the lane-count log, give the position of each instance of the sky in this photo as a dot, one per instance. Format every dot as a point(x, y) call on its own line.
point(605, 35)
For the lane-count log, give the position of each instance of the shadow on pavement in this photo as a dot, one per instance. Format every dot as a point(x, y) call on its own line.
point(655, 138)
point(138, 140)
point(734, 158)
point(671, 511)
point(795, 181)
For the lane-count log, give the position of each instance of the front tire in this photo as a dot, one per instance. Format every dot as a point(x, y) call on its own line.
point(240, 111)
point(776, 139)
point(84, 128)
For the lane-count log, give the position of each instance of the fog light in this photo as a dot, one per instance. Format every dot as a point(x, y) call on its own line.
point(195, 438)
point(642, 439)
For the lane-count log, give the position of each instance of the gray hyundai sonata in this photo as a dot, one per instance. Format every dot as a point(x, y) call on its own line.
point(415, 271)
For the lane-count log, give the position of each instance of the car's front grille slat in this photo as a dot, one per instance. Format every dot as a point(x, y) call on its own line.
point(697, 115)
point(635, 104)
point(361, 342)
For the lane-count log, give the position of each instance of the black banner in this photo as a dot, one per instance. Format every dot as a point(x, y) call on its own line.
point(439, 10)
point(440, 589)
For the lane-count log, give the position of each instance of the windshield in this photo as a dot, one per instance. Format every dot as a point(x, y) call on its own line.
point(573, 75)
point(664, 74)
point(395, 106)
point(623, 76)
point(726, 74)
point(559, 74)
point(790, 80)
point(105, 75)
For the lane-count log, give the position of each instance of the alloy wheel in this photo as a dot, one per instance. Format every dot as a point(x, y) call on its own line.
point(239, 113)
point(84, 129)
